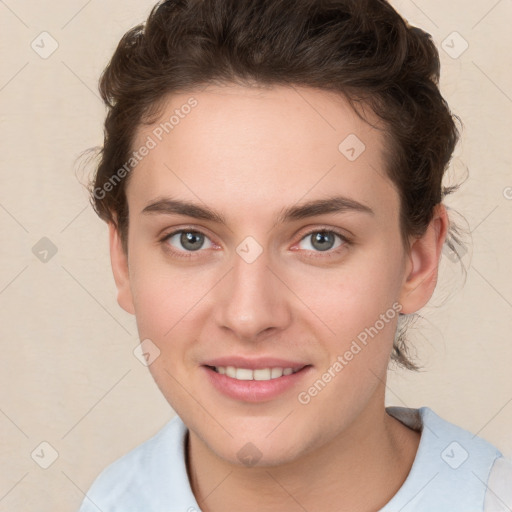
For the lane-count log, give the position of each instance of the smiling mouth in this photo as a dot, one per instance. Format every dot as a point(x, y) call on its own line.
point(257, 374)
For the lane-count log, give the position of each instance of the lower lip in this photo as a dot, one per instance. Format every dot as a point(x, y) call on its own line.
point(254, 390)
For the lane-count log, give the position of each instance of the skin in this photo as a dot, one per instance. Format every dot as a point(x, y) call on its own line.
point(249, 153)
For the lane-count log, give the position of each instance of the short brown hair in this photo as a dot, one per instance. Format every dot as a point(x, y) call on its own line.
point(361, 49)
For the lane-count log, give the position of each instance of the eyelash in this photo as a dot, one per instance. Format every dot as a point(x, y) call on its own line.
point(316, 254)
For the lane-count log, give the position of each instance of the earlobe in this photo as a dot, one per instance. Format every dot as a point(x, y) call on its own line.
point(420, 278)
point(119, 261)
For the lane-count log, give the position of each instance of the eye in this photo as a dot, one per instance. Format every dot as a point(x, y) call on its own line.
point(184, 242)
point(323, 240)
point(187, 240)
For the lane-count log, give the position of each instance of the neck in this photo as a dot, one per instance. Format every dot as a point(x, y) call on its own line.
point(375, 449)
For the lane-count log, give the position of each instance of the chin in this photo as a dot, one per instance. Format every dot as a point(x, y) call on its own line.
point(254, 455)
point(261, 447)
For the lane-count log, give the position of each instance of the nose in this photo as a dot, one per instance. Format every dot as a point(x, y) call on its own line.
point(253, 300)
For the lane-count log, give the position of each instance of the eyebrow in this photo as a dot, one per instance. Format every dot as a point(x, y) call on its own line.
point(335, 204)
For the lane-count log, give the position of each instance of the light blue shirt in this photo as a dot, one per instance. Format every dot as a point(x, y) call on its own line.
point(450, 472)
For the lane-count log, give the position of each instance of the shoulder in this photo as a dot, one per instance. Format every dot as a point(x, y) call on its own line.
point(452, 467)
point(452, 440)
point(457, 448)
point(154, 472)
point(499, 487)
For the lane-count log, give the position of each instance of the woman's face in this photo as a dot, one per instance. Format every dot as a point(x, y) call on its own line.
point(268, 280)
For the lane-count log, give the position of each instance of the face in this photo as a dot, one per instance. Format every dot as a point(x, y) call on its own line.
point(267, 280)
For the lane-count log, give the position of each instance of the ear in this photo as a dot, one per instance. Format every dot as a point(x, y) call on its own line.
point(119, 261)
point(422, 266)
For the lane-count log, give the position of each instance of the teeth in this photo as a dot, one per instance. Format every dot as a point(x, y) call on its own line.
point(243, 374)
point(276, 372)
point(263, 374)
point(248, 374)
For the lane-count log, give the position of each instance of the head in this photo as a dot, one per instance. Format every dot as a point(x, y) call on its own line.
point(250, 110)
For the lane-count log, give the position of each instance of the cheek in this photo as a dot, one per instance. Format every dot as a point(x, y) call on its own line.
point(349, 299)
point(163, 294)
point(169, 302)
point(156, 306)
point(164, 310)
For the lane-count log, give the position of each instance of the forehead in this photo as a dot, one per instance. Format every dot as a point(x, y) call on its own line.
point(258, 147)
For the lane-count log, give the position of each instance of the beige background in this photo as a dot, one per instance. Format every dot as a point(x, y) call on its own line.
point(68, 376)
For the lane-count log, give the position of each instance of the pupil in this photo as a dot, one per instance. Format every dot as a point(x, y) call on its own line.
point(190, 238)
point(322, 238)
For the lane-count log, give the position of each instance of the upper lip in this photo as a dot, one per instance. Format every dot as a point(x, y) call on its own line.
point(254, 363)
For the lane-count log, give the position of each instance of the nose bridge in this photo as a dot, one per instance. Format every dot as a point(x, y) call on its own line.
point(253, 299)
